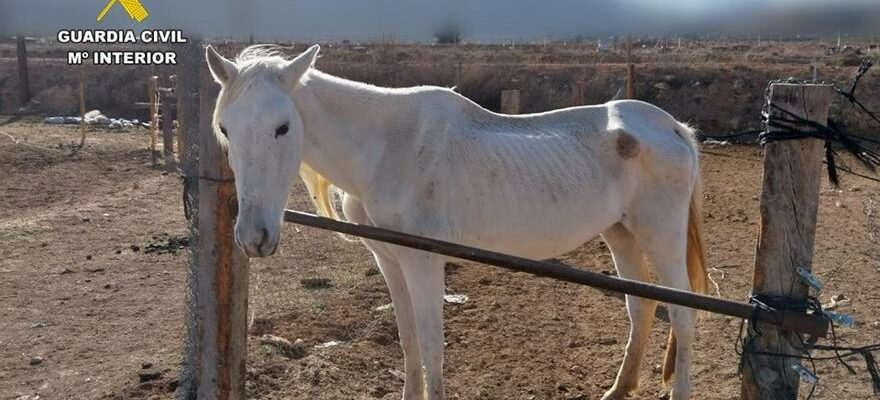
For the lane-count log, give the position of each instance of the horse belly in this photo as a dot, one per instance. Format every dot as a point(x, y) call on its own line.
point(540, 231)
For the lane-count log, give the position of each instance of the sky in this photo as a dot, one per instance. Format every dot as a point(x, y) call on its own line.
point(417, 20)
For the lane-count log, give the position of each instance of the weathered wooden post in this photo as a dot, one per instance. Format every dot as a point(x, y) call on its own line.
point(789, 203)
point(510, 101)
point(630, 71)
point(630, 81)
point(24, 82)
point(216, 311)
point(153, 93)
point(167, 112)
point(221, 284)
point(82, 105)
point(577, 93)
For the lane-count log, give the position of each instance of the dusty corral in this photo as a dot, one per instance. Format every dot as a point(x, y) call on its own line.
point(93, 276)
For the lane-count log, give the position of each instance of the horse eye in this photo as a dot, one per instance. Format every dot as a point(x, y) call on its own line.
point(223, 131)
point(282, 130)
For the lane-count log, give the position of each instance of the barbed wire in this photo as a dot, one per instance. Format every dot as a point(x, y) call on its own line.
point(835, 134)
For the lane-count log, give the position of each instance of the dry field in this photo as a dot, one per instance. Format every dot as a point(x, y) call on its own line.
point(92, 283)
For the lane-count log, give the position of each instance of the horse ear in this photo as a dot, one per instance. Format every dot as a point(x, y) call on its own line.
point(222, 69)
point(296, 68)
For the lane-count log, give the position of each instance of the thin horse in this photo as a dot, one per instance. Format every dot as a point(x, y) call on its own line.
point(428, 161)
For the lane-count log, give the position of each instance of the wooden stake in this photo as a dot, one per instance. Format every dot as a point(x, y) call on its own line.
point(167, 112)
point(630, 81)
point(82, 105)
point(789, 203)
point(24, 82)
point(221, 284)
point(630, 71)
point(510, 101)
point(577, 95)
point(153, 92)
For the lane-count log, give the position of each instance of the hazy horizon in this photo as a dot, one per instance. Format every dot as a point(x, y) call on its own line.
point(485, 20)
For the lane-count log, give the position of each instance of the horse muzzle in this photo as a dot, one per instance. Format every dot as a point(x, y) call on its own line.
point(256, 241)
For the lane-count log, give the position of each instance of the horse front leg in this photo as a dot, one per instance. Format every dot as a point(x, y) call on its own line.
point(424, 276)
point(414, 380)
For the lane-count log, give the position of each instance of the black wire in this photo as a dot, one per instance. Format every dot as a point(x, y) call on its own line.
point(786, 125)
point(744, 343)
point(732, 135)
point(851, 172)
point(851, 93)
point(789, 126)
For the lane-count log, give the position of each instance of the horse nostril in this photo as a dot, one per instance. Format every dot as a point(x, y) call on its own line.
point(265, 237)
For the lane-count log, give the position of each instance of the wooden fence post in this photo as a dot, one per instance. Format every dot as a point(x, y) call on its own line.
point(630, 71)
point(630, 81)
point(577, 93)
point(167, 112)
point(510, 101)
point(82, 105)
point(789, 204)
point(221, 285)
point(24, 83)
point(153, 93)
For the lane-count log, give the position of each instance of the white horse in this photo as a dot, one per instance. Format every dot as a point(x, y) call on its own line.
point(428, 161)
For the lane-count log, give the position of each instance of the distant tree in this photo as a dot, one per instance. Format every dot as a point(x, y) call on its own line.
point(449, 34)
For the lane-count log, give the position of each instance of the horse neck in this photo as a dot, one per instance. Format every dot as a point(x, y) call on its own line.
point(345, 124)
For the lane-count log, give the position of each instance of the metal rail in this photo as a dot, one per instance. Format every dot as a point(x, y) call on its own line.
point(790, 320)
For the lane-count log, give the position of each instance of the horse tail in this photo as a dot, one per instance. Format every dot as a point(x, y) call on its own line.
point(696, 251)
point(319, 189)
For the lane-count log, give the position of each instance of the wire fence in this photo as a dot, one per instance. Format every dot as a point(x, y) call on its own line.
point(784, 125)
point(834, 133)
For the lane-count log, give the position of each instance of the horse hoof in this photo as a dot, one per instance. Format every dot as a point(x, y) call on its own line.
point(616, 393)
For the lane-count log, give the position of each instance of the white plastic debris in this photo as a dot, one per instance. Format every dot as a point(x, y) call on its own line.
point(837, 301)
point(455, 298)
point(385, 307)
point(328, 344)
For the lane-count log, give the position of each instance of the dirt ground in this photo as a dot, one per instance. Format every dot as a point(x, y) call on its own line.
point(93, 272)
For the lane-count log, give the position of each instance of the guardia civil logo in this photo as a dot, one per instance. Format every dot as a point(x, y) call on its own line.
point(134, 8)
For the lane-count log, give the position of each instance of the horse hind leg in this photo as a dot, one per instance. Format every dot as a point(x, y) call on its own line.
point(663, 239)
point(630, 264)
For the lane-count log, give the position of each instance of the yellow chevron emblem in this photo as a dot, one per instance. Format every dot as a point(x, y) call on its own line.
point(134, 8)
